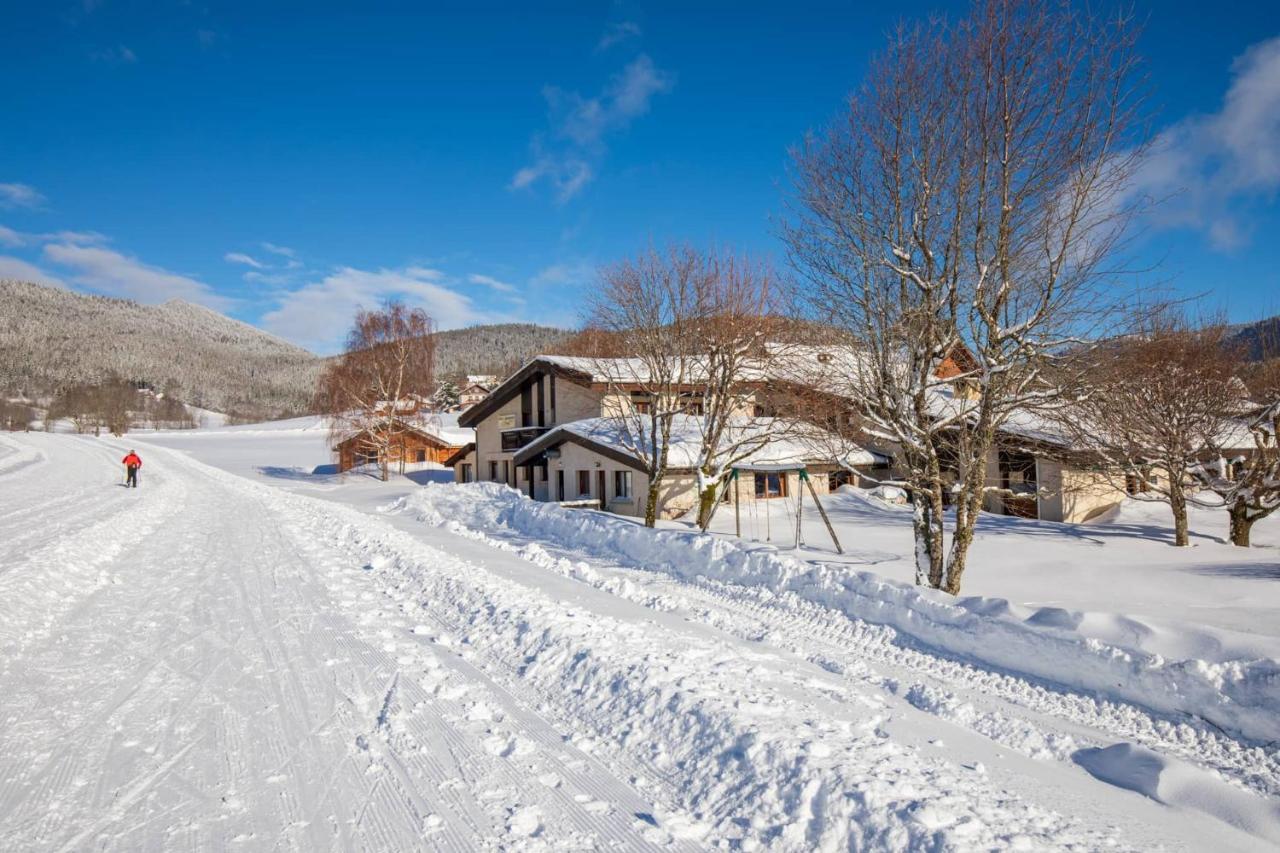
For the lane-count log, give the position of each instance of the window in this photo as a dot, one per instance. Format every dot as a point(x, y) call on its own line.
point(466, 472)
point(584, 484)
point(771, 485)
point(493, 471)
point(560, 484)
point(622, 484)
point(506, 472)
point(420, 456)
point(641, 402)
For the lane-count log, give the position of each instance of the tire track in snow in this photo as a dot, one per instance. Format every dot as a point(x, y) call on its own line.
point(846, 644)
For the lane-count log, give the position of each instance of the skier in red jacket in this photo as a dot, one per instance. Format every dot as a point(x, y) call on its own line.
point(132, 463)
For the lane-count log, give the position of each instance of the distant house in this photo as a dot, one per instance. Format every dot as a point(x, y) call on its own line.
point(413, 444)
point(407, 407)
point(475, 390)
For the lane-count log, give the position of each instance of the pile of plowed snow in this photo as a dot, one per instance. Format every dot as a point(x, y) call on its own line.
point(1113, 655)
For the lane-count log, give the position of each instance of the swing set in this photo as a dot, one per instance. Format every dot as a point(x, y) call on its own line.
point(781, 471)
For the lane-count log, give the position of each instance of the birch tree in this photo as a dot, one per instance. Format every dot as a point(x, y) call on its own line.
point(972, 197)
point(389, 357)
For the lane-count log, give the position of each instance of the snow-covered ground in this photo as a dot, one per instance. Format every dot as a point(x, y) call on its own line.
point(252, 648)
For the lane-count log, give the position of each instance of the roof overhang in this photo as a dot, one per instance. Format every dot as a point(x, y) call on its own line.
point(460, 454)
point(559, 436)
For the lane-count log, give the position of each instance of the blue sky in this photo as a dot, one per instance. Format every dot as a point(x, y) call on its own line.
point(285, 161)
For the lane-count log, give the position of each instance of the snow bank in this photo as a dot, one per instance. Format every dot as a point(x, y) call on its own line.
point(1177, 783)
point(1239, 695)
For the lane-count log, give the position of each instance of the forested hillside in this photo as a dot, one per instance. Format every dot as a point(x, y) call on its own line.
point(493, 349)
point(51, 339)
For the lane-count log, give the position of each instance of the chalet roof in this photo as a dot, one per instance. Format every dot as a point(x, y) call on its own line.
point(441, 436)
point(612, 437)
point(510, 387)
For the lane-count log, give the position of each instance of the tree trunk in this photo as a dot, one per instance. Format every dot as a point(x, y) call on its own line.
point(937, 539)
point(922, 530)
point(706, 505)
point(651, 503)
point(1178, 502)
point(961, 539)
point(1241, 524)
point(926, 525)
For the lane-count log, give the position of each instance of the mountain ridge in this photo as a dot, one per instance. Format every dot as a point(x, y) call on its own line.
point(52, 338)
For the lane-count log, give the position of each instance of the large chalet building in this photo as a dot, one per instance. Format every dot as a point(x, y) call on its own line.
point(552, 431)
point(546, 430)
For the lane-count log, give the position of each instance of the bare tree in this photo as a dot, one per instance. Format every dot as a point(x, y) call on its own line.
point(970, 199)
point(389, 357)
point(739, 335)
point(1247, 481)
point(641, 319)
point(15, 416)
point(1158, 402)
point(1245, 474)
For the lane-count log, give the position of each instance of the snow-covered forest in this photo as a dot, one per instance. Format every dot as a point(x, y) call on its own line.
point(52, 339)
point(492, 349)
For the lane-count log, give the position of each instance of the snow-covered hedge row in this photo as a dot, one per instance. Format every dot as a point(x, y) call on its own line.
point(1238, 695)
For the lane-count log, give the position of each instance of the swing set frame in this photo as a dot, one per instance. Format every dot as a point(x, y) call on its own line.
point(805, 483)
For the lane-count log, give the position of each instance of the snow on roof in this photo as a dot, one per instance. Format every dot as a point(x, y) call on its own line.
point(813, 446)
point(601, 369)
point(450, 433)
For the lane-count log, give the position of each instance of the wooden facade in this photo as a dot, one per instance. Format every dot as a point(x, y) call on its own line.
point(410, 446)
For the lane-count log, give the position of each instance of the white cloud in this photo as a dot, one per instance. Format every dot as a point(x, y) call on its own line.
point(275, 249)
point(319, 315)
point(16, 268)
point(89, 237)
point(275, 279)
point(580, 125)
point(565, 274)
point(291, 257)
point(118, 55)
point(241, 258)
point(20, 195)
point(114, 274)
point(491, 282)
point(12, 238)
point(617, 32)
point(1206, 169)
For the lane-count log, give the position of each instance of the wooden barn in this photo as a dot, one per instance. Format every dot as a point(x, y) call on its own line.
point(411, 445)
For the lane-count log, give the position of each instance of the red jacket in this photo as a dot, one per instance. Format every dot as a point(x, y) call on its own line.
point(132, 461)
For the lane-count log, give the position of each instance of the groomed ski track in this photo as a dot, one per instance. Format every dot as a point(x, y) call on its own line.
point(209, 663)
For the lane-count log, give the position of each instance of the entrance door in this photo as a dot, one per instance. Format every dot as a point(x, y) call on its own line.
point(600, 487)
point(560, 484)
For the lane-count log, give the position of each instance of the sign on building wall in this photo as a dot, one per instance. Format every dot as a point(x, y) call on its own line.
point(507, 421)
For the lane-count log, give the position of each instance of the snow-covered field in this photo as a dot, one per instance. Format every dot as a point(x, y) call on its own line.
point(252, 649)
